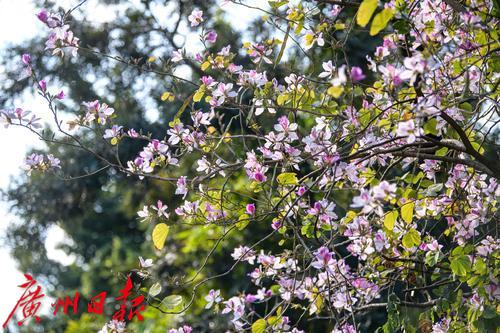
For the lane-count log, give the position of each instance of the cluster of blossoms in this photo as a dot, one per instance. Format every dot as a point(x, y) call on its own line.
point(96, 111)
point(190, 139)
point(21, 117)
point(366, 178)
point(41, 162)
point(114, 326)
point(156, 153)
point(260, 51)
point(160, 210)
point(60, 37)
point(327, 271)
point(183, 329)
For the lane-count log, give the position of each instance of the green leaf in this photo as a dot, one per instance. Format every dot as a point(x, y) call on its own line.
point(434, 189)
point(457, 251)
point(365, 12)
point(171, 302)
point(442, 152)
point(160, 233)
point(380, 21)
point(407, 212)
point(460, 265)
point(275, 289)
point(277, 4)
point(430, 127)
point(401, 26)
point(288, 178)
point(478, 147)
point(259, 326)
point(243, 221)
point(390, 219)
point(273, 320)
point(155, 289)
point(480, 267)
point(339, 26)
point(307, 230)
point(411, 239)
point(411, 178)
point(466, 106)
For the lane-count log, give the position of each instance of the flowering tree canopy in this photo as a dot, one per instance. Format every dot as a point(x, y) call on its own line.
point(373, 186)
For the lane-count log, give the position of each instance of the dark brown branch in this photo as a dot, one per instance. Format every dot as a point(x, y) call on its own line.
point(469, 148)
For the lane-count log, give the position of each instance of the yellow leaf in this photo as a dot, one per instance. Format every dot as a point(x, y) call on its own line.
point(160, 233)
point(167, 96)
point(309, 39)
point(380, 21)
point(323, 27)
point(114, 141)
point(205, 66)
point(339, 26)
point(335, 91)
point(288, 178)
point(299, 27)
point(151, 59)
point(350, 216)
point(319, 303)
point(174, 122)
point(390, 219)
point(199, 94)
point(281, 99)
point(211, 130)
point(259, 326)
point(365, 12)
point(407, 212)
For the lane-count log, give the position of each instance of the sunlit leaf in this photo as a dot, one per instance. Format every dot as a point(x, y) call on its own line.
point(160, 233)
point(460, 265)
point(288, 178)
point(390, 219)
point(167, 96)
point(171, 302)
point(155, 289)
point(381, 20)
point(205, 66)
point(407, 212)
point(411, 239)
point(259, 326)
point(198, 95)
point(365, 12)
point(335, 91)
